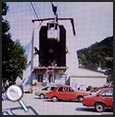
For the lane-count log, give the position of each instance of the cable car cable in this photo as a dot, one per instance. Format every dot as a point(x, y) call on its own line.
point(31, 10)
point(34, 10)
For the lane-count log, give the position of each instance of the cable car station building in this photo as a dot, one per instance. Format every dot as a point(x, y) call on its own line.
point(49, 51)
point(54, 57)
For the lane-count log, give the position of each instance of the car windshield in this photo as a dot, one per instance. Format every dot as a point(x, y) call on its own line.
point(52, 88)
point(44, 88)
point(95, 93)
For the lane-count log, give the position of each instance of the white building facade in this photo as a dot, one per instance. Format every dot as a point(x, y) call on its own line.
point(77, 76)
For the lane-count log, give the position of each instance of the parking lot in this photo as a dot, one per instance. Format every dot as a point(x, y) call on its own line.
point(47, 107)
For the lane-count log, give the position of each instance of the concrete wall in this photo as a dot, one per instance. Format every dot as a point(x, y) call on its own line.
point(78, 81)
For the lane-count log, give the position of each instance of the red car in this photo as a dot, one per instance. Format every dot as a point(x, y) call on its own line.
point(65, 93)
point(101, 100)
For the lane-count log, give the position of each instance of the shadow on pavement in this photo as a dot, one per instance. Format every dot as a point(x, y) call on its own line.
point(50, 100)
point(19, 111)
point(90, 109)
point(85, 109)
point(5, 113)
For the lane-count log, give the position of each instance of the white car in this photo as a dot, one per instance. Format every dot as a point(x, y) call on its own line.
point(42, 91)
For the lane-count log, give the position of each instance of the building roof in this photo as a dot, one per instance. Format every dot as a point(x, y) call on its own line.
point(84, 73)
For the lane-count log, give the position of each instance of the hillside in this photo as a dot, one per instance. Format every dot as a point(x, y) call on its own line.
point(97, 55)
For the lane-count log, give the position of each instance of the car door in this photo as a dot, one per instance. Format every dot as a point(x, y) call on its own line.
point(61, 93)
point(108, 97)
point(70, 94)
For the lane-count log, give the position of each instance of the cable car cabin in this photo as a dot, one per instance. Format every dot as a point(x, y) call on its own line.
point(52, 45)
point(53, 31)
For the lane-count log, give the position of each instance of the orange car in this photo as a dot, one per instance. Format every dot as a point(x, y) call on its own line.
point(65, 93)
point(101, 100)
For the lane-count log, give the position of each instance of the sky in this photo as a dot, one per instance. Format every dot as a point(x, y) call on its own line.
point(93, 20)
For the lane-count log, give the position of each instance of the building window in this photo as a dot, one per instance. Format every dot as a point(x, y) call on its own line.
point(40, 78)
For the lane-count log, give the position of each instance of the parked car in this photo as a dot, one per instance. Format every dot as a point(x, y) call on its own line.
point(100, 100)
point(65, 93)
point(42, 91)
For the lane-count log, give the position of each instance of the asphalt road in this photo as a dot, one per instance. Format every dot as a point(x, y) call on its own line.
point(47, 107)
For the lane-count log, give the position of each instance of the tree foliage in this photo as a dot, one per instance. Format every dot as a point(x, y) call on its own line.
point(4, 8)
point(13, 59)
point(100, 53)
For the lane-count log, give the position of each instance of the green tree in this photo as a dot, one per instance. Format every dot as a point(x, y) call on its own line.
point(13, 59)
point(98, 53)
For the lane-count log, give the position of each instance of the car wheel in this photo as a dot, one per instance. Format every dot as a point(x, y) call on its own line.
point(99, 107)
point(80, 98)
point(42, 96)
point(54, 99)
